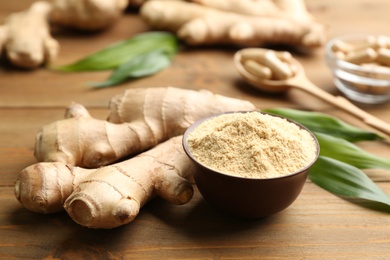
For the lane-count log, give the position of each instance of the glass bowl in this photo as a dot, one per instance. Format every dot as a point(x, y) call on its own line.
point(367, 83)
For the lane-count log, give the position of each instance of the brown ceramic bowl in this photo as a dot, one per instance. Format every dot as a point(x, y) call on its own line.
point(247, 197)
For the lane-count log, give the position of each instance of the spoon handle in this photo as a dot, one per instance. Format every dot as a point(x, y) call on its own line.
point(306, 85)
point(367, 118)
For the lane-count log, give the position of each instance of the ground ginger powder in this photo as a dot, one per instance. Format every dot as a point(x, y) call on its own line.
point(252, 145)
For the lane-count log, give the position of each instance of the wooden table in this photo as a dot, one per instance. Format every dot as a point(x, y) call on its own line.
point(318, 225)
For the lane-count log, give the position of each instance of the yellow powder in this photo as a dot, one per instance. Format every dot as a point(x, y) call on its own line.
point(252, 145)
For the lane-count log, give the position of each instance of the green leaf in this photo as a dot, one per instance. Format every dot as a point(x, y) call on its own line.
point(348, 152)
point(141, 65)
point(345, 180)
point(319, 122)
point(121, 52)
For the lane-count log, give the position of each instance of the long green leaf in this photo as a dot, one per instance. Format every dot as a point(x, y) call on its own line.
point(119, 53)
point(319, 122)
point(345, 180)
point(141, 65)
point(348, 152)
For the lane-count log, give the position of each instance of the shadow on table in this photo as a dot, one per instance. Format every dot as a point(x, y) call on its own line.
point(159, 226)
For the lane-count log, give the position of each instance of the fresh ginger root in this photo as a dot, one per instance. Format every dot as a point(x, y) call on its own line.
point(138, 120)
point(25, 37)
point(109, 196)
point(87, 14)
point(204, 25)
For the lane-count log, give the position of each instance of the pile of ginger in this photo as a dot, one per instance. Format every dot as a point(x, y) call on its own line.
point(83, 166)
point(26, 40)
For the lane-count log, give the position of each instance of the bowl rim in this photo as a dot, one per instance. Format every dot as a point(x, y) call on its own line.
point(348, 65)
point(200, 121)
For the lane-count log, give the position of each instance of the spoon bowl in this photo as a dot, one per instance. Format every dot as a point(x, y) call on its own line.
point(266, 85)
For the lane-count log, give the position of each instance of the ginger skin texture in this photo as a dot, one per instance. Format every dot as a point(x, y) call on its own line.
point(198, 24)
point(87, 14)
point(138, 120)
point(25, 37)
point(109, 196)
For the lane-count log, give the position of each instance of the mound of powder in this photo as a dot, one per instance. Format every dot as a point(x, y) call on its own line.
point(252, 145)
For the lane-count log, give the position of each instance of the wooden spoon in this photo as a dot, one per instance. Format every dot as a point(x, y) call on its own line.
point(300, 81)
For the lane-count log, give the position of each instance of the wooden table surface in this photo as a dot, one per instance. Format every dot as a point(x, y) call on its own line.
point(318, 225)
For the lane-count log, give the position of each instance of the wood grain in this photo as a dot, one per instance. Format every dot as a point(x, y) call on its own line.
point(318, 225)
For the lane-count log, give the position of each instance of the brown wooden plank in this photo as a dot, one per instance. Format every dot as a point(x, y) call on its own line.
point(317, 225)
